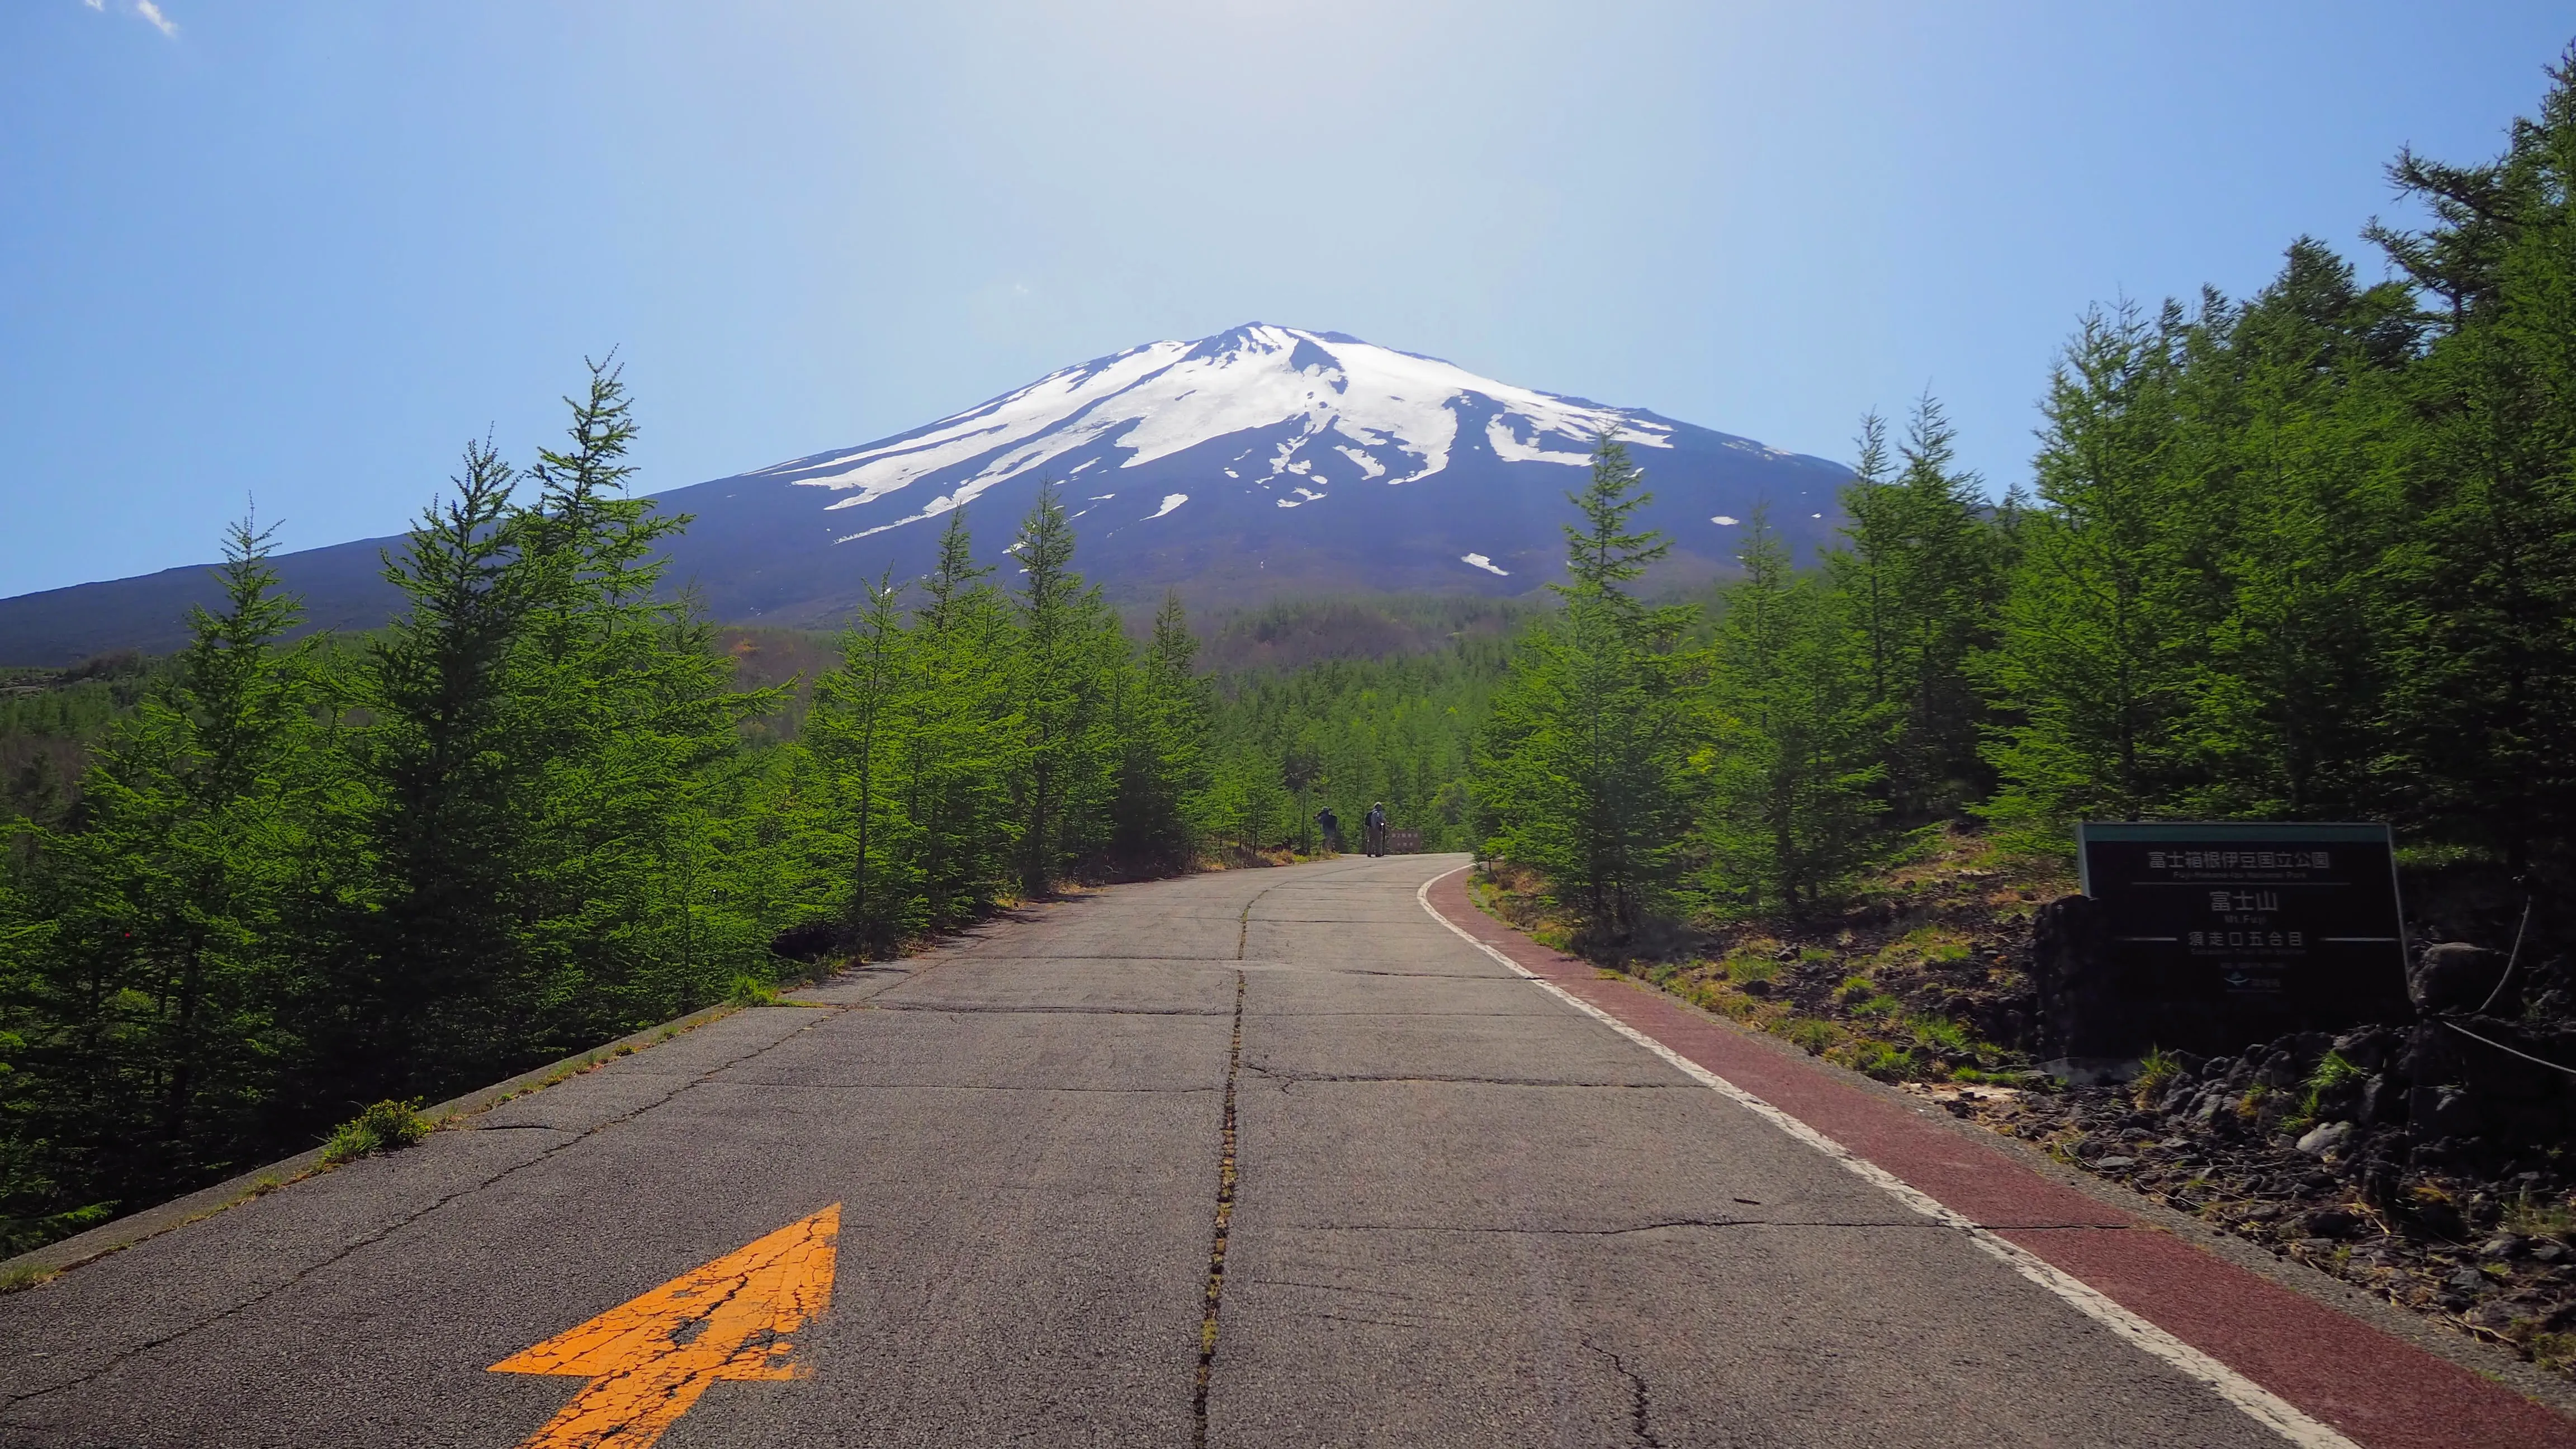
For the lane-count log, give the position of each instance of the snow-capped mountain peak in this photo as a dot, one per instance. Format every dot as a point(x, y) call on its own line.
point(1290, 413)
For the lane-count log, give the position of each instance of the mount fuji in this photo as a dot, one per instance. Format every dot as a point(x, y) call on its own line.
point(1260, 461)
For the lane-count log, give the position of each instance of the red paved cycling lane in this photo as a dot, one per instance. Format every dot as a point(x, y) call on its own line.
point(2377, 1390)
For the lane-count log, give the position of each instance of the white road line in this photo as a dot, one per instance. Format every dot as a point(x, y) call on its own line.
point(2265, 1407)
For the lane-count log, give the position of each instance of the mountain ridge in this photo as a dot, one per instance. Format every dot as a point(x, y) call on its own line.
point(1253, 463)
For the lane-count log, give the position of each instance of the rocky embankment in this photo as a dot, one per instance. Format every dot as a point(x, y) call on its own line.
point(2425, 1160)
point(2409, 1160)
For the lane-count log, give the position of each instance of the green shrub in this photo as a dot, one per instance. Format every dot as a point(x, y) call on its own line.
point(1744, 970)
point(2334, 1073)
point(1884, 1060)
point(2541, 1218)
point(384, 1127)
point(751, 991)
point(1811, 1034)
point(19, 1234)
point(2250, 1106)
point(1925, 944)
point(2159, 1068)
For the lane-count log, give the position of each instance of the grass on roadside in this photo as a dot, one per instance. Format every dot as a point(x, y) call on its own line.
point(384, 1127)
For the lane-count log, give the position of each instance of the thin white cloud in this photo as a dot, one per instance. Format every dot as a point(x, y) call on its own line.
point(160, 22)
point(99, 5)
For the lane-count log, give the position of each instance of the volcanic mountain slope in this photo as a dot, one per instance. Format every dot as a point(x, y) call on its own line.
point(1260, 461)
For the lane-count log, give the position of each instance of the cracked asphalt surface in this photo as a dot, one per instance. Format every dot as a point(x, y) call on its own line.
point(1464, 1214)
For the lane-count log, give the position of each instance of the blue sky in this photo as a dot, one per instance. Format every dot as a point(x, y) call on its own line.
point(302, 251)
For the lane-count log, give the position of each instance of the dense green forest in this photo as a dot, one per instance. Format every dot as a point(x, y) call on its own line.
point(260, 884)
point(257, 885)
point(1340, 704)
point(2308, 554)
point(1346, 734)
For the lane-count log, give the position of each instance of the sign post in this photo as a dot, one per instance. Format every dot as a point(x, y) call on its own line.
point(2215, 935)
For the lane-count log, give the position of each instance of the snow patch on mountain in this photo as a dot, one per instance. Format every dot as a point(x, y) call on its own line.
point(1393, 417)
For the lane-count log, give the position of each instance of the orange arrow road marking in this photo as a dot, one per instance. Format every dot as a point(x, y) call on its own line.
point(649, 1358)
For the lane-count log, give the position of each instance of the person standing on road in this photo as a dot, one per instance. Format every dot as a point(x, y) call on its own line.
point(1377, 828)
point(1332, 825)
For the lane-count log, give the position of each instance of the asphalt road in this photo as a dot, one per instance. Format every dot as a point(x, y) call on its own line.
point(1461, 1212)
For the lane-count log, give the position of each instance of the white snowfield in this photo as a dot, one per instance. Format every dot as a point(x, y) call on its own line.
point(1351, 412)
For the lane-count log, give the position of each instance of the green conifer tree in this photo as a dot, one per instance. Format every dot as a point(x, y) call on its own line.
point(160, 1003)
point(1795, 751)
point(1583, 758)
point(863, 725)
point(2086, 664)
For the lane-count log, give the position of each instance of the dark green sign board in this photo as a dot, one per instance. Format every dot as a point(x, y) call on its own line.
point(2241, 928)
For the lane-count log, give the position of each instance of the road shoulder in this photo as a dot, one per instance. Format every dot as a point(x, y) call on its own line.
point(2347, 1369)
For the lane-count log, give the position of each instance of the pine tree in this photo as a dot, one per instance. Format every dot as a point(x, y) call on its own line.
point(161, 1001)
point(431, 971)
point(546, 729)
point(1582, 761)
point(1163, 739)
point(1920, 577)
point(2085, 660)
point(862, 726)
point(967, 740)
point(1063, 783)
point(2482, 627)
point(2289, 409)
point(1794, 752)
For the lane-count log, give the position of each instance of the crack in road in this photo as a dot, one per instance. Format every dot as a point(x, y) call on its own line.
point(351, 1248)
point(1226, 1177)
point(1225, 1181)
point(1639, 1425)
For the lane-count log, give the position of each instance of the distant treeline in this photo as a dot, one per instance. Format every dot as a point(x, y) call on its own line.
point(532, 813)
point(1347, 734)
point(1292, 633)
point(2306, 555)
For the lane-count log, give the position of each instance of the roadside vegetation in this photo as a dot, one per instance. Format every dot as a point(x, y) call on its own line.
point(2306, 555)
point(1913, 973)
point(253, 886)
point(256, 885)
point(2309, 555)
point(384, 1127)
